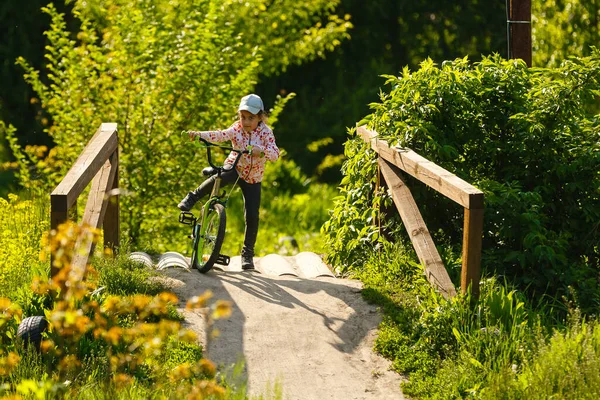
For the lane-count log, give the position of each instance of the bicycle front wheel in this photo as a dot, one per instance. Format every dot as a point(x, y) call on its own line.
point(207, 246)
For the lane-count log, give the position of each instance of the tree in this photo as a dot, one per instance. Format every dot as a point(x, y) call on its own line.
point(334, 93)
point(157, 67)
point(564, 28)
point(22, 25)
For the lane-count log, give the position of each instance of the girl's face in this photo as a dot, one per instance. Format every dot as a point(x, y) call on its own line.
point(248, 120)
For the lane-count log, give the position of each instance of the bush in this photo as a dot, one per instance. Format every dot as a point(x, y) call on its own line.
point(22, 225)
point(121, 344)
point(528, 138)
point(157, 67)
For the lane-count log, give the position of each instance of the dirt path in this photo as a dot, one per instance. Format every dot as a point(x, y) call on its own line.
point(312, 337)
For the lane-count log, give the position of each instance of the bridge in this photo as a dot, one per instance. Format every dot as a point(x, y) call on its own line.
point(293, 321)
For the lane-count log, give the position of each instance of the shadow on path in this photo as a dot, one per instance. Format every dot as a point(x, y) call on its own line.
point(314, 336)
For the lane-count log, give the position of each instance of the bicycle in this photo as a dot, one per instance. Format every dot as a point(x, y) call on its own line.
point(208, 230)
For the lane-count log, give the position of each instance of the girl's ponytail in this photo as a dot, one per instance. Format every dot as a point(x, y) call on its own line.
point(264, 116)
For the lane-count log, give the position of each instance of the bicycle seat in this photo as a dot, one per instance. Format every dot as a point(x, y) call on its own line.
point(209, 171)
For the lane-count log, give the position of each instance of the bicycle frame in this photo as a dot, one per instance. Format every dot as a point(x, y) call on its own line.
point(200, 225)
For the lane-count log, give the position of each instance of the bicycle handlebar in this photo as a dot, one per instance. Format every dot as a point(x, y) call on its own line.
point(208, 155)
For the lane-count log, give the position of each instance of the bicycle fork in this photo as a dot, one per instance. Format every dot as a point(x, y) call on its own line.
point(200, 229)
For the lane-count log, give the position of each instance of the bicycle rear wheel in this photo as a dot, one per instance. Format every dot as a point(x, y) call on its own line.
point(206, 247)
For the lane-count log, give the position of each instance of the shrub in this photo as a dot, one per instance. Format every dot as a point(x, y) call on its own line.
point(157, 67)
point(528, 138)
point(22, 224)
point(122, 344)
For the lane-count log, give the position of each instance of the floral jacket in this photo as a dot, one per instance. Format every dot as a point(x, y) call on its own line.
point(250, 169)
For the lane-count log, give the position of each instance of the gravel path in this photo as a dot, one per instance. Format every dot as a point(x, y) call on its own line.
point(313, 338)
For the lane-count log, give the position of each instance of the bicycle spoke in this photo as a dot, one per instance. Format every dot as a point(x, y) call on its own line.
point(211, 238)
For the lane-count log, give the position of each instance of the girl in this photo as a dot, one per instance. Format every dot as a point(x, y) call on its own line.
point(250, 129)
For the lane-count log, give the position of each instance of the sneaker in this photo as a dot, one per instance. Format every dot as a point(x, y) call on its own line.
point(247, 263)
point(188, 202)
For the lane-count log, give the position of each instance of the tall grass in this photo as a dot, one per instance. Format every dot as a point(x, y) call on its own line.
point(283, 216)
point(566, 366)
point(124, 341)
point(499, 346)
point(23, 221)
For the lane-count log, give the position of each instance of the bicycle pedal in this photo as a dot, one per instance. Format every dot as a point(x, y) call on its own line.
point(223, 259)
point(187, 218)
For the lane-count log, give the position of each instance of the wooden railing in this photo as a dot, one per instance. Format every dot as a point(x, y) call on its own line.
point(98, 160)
point(391, 161)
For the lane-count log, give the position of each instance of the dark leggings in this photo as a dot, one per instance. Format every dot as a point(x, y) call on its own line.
point(251, 192)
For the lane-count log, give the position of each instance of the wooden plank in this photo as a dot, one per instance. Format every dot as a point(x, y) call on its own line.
point(95, 209)
point(101, 146)
point(519, 29)
point(58, 210)
point(97, 199)
point(417, 230)
point(111, 224)
point(58, 215)
point(426, 171)
point(471, 254)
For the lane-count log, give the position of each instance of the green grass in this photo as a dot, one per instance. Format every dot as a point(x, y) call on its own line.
point(498, 347)
point(23, 221)
point(37, 375)
point(125, 276)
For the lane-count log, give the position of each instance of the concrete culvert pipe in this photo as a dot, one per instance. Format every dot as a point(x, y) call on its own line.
point(172, 259)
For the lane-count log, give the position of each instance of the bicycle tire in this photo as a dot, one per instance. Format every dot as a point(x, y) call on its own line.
point(216, 221)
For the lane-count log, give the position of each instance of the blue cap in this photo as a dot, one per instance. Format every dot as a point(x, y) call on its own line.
point(251, 103)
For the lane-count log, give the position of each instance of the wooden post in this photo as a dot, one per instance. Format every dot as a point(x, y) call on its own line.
point(59, 209)
point(450, 186)
point(519, 30)
point(111, 225)
point(417, 230)
point(97, 161)
point(471, 255)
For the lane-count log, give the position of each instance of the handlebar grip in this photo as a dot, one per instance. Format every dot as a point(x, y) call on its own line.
point(201, 143)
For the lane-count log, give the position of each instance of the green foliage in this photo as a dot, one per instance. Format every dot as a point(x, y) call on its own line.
point(126, 277)
point(565, 367)
point(352, 232)
point(498, 346)
point(527, 137)
point(334, 93)
point(22, 224)
point(157, 67)
point(23, 174)
point(181, 352)
point(563, 29)
point(292, 206)
point(278, 107)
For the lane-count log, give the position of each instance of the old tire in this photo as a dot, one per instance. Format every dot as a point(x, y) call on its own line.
point(31, 329)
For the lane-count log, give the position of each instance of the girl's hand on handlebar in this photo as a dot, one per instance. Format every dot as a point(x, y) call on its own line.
point(257, 151)
point(192, 135)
